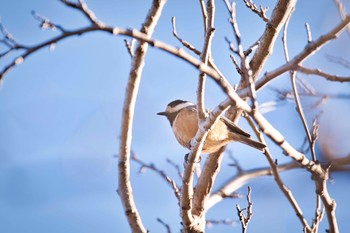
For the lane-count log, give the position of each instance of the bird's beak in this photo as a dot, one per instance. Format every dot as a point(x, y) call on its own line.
point(161, 113)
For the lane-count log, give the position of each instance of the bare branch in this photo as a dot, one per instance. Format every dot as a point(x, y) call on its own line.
point(206, 181)
point(203, 188)
point(318, 218)
point(176, 166)
point(124, 184)
point(45, 23)
point(299, 108)
point(310, 49)
point(261, 12)
point(130, 46)
point(242, 218)
point(232, 10)
point(83, 8)
point(328, 202)
point(252, 48)
point(286, 191)
point(308, 33)
point(204, 15)
point(342, 12)
point(267, 41)
point(183, 42)
point(194, 222)
point(168, 230)
point(9, 39)
point(238, 69)
point(31, 50)
point(187, 184)
point(241, 179)
point(244, 69)
point(9, 42)
point(162, 174)
point(320, 73)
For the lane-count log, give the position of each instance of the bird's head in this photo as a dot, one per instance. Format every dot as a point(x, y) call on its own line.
point(173, 108)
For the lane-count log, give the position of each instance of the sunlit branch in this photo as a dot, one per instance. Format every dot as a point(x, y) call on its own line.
point(261, 11)
point(124, 182)
point(325, 75)
point(310, 49)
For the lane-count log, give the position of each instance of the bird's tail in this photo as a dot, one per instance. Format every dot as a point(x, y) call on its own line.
point(250, 142)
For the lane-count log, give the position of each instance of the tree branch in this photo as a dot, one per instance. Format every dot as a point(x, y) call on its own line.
point(205, 55)
point(245, 219)
point(241, 178)
point(342, 12)
point(261, 12)
point(205, 182)
point(162, 174)
point(310, 49)
point(285, 190)
point(299, 108)
point(267, 41)
point(320, 73)
point(124, 185)
point(210, 169)
point(83, 8)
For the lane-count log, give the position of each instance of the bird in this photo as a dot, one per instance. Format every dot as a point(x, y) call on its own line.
point(183, 118)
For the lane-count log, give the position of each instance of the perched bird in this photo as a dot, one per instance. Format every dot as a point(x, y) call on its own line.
point(183, 119)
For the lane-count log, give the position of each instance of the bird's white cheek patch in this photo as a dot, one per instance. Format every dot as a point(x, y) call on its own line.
point(178, 107)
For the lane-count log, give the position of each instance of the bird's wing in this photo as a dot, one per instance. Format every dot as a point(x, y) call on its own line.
point(234, 128)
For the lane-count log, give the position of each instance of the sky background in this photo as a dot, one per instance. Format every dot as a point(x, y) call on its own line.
point(60, 114)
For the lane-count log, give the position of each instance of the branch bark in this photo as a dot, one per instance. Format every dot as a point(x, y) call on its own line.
point(210, 169)
point(267, 41)
point(124, 186)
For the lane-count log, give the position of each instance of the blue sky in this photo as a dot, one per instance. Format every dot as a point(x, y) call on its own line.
point(60, 114)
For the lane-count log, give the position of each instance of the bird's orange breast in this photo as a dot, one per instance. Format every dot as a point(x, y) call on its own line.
point(185, 127)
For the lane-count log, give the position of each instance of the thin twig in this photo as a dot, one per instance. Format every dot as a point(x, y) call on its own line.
point(129, 46)
point(308, 33)
point(261, 12)
point(268, 38)
point(304, 54)
point(275, 172)
point(45, 23)
point(204, 15)
point(209, 33)
point(242, 178)
point(83, 8)
point(252, 48)
point(342, 12)
point(30, 50)
point(168, 230)
point(183, 42)
point(162, 174)
point(244, 69)
point(176, 166)
point(296, 94)
point(300, 111)
point(242, 218)
point(288, 95)
point(234, 61)
point(325, 75)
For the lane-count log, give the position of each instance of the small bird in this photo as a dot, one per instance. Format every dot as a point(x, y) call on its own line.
point(183, 119)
